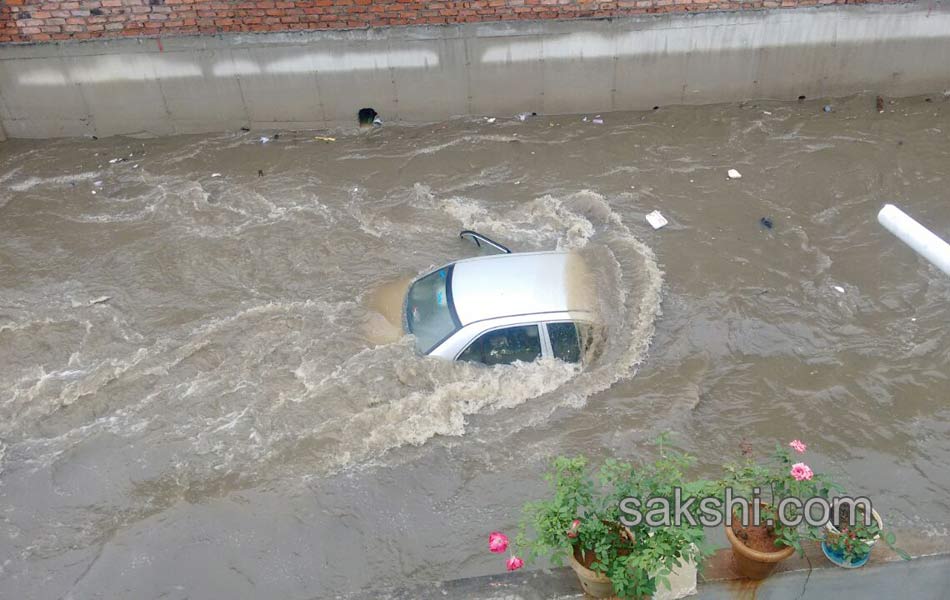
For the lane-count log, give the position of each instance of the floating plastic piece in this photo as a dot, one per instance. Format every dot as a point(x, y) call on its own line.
point(656, 220)
point(100, 299)
point(216, 174)
point(839, 289)
point(324, 138)
point(264, 139)
point(766, 222)
point(733, 174)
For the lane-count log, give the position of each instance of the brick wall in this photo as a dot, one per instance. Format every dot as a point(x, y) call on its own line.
point(42, 20)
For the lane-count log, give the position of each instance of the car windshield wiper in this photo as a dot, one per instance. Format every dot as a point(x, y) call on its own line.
point(479, 239)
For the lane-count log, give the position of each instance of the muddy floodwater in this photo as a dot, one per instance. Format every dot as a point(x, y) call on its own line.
point(200, 395)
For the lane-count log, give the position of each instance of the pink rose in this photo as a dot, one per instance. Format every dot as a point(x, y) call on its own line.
point(514, 563)
point(798, 446)
point(572, 532)
point(801, 472)
point(497, 542)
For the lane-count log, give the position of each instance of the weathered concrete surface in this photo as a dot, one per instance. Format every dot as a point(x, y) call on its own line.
point(418, 74)
point(926, 577)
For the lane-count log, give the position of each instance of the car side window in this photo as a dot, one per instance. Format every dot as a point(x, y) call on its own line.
point(574, 342)
point(505, 346)
point(564, 341)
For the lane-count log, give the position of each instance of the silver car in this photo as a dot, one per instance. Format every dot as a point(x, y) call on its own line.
point(503, 308)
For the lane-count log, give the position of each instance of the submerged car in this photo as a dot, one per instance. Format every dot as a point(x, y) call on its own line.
point(504, 308)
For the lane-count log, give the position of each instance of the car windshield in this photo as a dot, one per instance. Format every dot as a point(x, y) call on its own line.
point(429, 311)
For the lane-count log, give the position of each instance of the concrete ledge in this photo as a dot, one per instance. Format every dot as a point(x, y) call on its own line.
point(926, 577)
point(319, 79)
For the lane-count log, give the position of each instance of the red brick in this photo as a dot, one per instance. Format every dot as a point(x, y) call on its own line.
point(49, 19)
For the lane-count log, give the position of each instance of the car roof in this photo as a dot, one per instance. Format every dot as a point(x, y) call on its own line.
point(503, 285)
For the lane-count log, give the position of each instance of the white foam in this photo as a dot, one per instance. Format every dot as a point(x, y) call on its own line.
point(60, 180)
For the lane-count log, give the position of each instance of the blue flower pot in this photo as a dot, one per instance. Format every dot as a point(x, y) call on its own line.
point(839, 559)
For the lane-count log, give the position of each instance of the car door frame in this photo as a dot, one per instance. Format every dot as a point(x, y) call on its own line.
point(542, 335)
point(574, 318)
point(458, 342)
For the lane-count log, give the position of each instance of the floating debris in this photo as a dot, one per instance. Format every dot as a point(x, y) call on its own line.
point(879, 102)
point(733, 174)
point(490, 119)
point(216, 174)
point(656, 220)
point(597, 120)
point(100, 300)
point(524, 116)
point(264, 139)
point(260, 172)
point(839, 289)
point(766, 222)
point(116, 160)
point(324, 138)
point(827, 108)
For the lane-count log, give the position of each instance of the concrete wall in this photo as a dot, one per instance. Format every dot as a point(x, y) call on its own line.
point(418, 74)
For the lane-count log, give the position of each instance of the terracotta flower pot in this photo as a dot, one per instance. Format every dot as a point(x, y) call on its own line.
point(682, 580)
point(755, 564)
point(595, 584)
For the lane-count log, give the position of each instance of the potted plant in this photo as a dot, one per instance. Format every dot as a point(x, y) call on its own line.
point(848, 542)
point(581, 523)
point(758, 545)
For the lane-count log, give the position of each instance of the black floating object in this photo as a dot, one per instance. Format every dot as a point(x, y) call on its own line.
point(245, 129)
point(260, 172)
point(366, 117)
point(766, 222)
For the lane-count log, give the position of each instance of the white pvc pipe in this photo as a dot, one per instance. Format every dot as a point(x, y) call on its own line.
point(923, 241)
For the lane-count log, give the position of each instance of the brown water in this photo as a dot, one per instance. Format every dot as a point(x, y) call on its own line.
point(228, 423)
